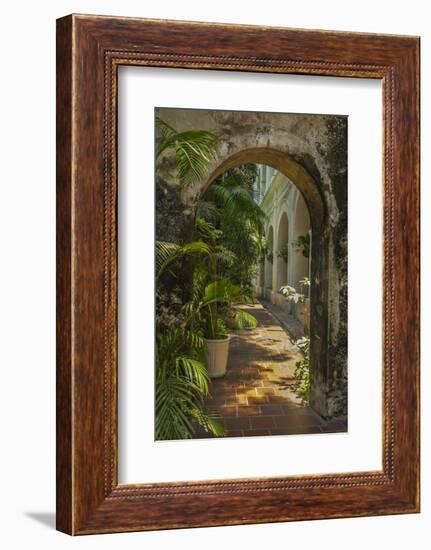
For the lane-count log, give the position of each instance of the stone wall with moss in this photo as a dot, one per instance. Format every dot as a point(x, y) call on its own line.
point(318, 143)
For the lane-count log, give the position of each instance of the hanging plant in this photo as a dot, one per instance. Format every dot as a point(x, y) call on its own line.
point(270, 257)
point(283, 252)
point(302, 244)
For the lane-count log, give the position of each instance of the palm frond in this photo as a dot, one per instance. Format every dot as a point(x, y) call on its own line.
point(195, 372)
point(210, 422)
point(181, 382)
point(225, 291)
point(194, 150)
point(166, 131)
point(243, 319)
point(167, 252)
point(173, 399)
point(224, 256)
point(174, 342)
point(207, 230)
point(237, 199)
point(207, 210)
point(238, 206)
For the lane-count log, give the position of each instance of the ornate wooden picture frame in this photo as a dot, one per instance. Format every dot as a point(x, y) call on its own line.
point(89, 51)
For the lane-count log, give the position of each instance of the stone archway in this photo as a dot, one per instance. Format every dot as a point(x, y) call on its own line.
point(311, 151)
point(320, 367)
point(282, 162)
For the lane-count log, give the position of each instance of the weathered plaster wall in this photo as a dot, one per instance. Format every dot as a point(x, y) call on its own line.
point(312, 151)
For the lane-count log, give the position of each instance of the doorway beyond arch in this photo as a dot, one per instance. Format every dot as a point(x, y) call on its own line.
point(281, 256)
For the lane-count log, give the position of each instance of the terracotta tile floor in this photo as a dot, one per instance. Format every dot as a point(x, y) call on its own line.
point(256, 397)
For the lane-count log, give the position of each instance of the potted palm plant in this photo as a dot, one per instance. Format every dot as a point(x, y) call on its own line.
point(182, 381)
point(212, 307)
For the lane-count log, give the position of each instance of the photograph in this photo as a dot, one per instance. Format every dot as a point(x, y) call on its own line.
point(213, 318)
point(214, 235)
point(237, 273)
point(251, 273)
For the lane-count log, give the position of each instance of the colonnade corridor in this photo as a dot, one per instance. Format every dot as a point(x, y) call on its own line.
point(256, 395)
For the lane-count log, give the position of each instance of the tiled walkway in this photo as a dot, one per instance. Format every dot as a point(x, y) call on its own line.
point(256, 397)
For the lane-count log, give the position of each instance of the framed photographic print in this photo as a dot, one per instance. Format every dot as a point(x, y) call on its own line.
point(237, 274)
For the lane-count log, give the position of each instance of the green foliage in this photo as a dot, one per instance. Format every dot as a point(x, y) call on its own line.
point(247, 173)
point(181, 384)
point(302, 379)
point(221, 257)
point(243, 319)
point(236, 200)
point(212, 307)
point(217, 286)
point(283, 252)
point(302, 371)
point(302, 244)
point(238, 222)
point(182, 380)
point(193, 150)
point(167, 253)
point(211, 422)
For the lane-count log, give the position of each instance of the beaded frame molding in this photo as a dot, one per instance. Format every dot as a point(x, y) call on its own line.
point(89, 51)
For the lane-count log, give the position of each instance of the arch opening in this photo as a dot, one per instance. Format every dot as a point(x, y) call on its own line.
point(308, 219)
point(288, 166)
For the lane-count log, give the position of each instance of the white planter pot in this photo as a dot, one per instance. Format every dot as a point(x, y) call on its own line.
point(216, 354)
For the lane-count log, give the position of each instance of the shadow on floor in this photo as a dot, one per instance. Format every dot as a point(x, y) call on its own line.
point(45, 518)
point(257, 395)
